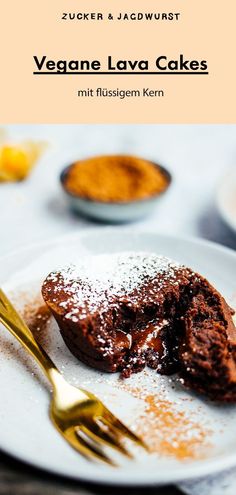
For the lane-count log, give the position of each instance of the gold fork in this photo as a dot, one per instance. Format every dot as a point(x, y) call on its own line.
point(80, 417)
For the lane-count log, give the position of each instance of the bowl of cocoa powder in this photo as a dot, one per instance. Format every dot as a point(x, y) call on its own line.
point(114, 188)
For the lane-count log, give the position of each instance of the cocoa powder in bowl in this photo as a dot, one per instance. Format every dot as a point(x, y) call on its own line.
point(115, 179)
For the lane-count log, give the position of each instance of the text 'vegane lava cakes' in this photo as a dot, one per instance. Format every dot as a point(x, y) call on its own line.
point(121, 312)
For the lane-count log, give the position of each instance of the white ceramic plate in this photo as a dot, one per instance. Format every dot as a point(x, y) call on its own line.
point(180, 418)
point(226, 199)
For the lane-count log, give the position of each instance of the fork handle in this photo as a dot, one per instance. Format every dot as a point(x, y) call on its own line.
point(20, 330)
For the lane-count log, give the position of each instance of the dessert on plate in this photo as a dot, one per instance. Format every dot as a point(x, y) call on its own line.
point(122, 312)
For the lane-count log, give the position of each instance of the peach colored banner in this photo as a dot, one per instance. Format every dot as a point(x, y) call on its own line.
point(192, 82)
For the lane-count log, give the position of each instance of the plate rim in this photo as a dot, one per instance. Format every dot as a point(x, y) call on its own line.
point(88, 231)
point(224, 214)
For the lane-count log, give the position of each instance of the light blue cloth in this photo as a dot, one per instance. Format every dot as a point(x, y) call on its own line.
point(223, 483)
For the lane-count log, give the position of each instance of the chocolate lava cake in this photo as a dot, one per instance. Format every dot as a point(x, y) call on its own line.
point(123, 312)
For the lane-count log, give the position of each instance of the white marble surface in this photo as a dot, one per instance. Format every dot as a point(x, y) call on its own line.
point(223, 483)
point(197, 156)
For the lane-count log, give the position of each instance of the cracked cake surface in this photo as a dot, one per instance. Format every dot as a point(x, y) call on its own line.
point(121, 312)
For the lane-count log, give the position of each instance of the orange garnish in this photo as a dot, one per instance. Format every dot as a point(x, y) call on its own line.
point(16, 161)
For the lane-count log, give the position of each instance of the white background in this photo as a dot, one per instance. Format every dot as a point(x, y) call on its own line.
point(197, 156)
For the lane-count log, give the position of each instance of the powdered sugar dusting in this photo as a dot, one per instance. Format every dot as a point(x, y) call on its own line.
point(92, 284)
